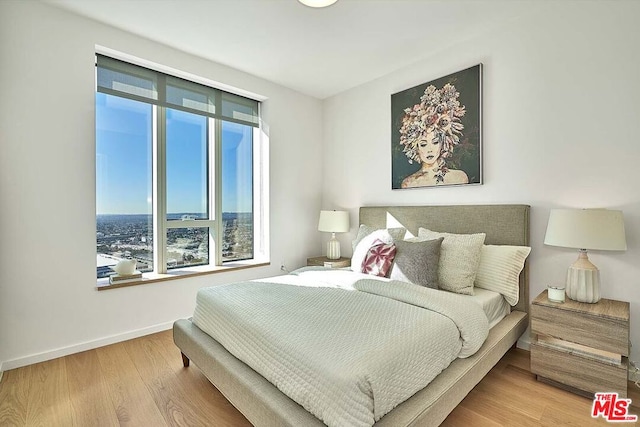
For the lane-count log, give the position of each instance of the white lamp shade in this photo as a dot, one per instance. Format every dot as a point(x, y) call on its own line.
point(597, 229)
point(334, 221)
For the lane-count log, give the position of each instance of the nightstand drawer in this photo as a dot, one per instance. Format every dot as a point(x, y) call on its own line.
point(582, 328)
point(575, 371)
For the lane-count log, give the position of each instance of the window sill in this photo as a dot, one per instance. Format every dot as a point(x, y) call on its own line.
point(182, 273)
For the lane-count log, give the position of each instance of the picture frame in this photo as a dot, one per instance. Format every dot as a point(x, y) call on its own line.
point(437, 132)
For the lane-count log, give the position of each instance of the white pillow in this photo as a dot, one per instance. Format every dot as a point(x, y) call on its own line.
point(365, 239)
point(459, 259)
point(499, 270)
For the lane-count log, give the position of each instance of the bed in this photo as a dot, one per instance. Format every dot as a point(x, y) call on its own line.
point(265, 405)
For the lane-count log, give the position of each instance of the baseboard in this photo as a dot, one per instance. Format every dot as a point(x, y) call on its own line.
point(1, 372)
point(77, 348)
point(524, 344)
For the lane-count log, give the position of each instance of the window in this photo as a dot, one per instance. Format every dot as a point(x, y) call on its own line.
point(180, 172)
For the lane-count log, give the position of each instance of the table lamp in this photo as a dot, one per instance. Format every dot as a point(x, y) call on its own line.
point(333, 222)
point(584, 229)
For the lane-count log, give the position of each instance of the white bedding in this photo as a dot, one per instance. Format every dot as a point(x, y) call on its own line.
point(345, 346)
point(493, 304)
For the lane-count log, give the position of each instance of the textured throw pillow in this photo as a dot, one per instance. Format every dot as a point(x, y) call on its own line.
point(417, 262)
point(366, 238)
point(499, 270)
point(459, 259)
point(378, 259)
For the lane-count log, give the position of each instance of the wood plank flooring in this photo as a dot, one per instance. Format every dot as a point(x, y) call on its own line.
point(142, 382)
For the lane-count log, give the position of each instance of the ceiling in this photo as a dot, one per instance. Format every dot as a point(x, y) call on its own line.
point(319, 52)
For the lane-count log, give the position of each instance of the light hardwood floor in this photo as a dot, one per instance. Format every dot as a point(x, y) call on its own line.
point(142, 382)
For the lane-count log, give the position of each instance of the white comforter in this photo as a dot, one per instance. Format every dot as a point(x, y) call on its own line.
point(345, 346)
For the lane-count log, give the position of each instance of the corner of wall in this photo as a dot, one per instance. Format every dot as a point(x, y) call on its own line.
point(524, 342)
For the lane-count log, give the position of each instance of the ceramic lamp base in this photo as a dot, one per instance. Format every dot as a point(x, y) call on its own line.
point(333, 247)
point(583, 280)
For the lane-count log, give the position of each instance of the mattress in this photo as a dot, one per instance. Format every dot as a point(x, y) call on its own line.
point(346, 347)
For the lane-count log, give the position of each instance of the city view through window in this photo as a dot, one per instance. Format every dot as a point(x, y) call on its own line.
point(124, 186)
point(131, 236)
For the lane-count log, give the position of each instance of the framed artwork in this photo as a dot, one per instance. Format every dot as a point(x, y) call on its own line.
point(436, 132)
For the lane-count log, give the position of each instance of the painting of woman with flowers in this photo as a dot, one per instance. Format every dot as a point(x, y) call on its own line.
point(436, 132)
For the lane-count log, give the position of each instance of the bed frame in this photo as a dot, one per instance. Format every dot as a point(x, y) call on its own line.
point(264, 405)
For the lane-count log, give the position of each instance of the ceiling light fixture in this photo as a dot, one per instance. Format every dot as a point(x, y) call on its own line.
point(317, 3)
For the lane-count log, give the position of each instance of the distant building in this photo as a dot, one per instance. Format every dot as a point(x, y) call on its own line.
point(104, 264)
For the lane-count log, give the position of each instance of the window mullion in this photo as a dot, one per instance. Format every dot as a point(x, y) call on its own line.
point(216, 137)
point(196, 223)
point(160, 198)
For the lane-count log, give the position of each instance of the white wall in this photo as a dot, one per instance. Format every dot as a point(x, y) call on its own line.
point(561, 121)
point(48, 302)
point(561, 129)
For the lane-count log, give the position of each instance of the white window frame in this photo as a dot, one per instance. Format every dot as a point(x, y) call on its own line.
point(161, 224)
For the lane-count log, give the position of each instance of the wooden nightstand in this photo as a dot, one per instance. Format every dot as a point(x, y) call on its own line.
point(583, 348)
point(323, 261)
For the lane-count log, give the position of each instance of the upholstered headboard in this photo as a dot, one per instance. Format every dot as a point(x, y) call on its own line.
point(503, 225)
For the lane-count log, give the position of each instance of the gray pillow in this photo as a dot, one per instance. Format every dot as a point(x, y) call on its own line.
point(417, 262)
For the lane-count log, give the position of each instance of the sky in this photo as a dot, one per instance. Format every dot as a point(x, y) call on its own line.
point(124, 160)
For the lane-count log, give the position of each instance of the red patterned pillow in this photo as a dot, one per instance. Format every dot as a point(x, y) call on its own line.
point(379, 259)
